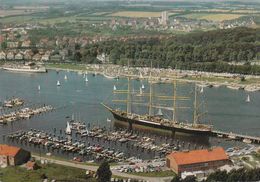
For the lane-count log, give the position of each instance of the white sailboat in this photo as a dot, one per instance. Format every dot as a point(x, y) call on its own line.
point(141, 76)
point(58, 83)
point(114, 88)
point(141, 91)
point(248, 99)
point(39, 87)
point(202, 90)
point(159, 113)
point(65, 77)
point(143, 86)
point(86, 79)
point(68, 129)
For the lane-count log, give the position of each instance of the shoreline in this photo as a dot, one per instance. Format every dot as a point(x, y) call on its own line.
point(204, 79)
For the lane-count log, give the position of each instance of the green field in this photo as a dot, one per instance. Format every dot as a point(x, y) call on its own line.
point(213, 16)
point(156, 174)
point(51, 171)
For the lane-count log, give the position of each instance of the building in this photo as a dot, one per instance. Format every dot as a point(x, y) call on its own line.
point(197, 160)
point(31, 165)
point(12, 156)
point(2, 55)
point(164, 18)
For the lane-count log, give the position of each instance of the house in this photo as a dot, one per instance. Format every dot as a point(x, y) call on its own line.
point(46, 57)
point(37, 57)
point(12, 156)
point(28, 54)
point(197, 160)
point(10, 56)
point(2, 55)
point(12, 44)
point(31, 165)
point(19, 56)
point(26, 44)
point(56, 58)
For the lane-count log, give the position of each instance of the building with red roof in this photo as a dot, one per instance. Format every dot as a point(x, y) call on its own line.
point(197, 160)
point(10, 155)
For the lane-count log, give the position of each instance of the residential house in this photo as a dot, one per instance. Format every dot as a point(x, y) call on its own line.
point(2, 55)
point(12, 44)
point(12, 156)
point(46, 56)
point(18, 56)
point(26, 44)
point(10, 55)
point(28, 54)
point(32, 165)
point(37, 57)
point(56, 58)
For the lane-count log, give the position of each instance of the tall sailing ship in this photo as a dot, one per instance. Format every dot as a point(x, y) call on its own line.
point(157, 120)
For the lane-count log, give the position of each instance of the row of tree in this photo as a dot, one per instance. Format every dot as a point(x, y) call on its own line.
point(208, 51)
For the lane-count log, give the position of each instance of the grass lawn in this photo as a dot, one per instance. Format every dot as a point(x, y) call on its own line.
point(66, 66)
point(156, 174)
point(52, 171)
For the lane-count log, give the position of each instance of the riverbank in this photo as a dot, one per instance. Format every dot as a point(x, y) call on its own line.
point(236, 81)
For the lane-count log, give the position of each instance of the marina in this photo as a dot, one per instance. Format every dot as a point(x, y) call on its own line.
point(75, 96)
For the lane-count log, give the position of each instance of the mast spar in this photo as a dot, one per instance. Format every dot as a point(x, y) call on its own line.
point(128, 102)
point(195, 118)
point(151, 94)
point(174, 101)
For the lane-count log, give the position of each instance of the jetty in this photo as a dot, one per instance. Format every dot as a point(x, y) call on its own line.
point(236, 136)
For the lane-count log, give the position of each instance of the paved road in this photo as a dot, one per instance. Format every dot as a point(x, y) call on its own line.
point(94, 168)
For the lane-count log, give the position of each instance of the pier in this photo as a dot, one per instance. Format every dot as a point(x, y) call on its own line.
point(235, 136)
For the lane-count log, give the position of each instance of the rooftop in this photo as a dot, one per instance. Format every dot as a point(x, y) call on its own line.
point(199, 156)
point(8, 150)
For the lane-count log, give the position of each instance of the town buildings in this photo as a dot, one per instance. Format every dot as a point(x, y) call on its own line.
point(12, 156)
point(197, 160)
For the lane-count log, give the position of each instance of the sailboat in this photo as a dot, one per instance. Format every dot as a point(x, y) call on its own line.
point(143, 86)
point(114, 88)
point(141, 91)
point(58, 83)
point(248, 99)
point(65, 77)
point(86, 79)
point(39, 87)
point(68, 129)
point(201, 90)
point(154, 121)
point(159, 113)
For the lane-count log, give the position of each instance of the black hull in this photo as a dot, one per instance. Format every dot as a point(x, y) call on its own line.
point(158, 126)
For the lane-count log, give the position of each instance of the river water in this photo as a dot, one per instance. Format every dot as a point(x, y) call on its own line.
point(226, 109)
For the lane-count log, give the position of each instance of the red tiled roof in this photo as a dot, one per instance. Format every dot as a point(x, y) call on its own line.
point(9, 150)
point(198, 156)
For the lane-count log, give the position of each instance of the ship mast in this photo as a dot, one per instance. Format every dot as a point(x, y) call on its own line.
point(151, 94)
point(195, 118)
point(174, 101)
point(128, 102)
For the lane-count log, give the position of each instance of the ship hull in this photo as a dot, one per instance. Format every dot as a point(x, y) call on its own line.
point(159, 126)
point(26, 70)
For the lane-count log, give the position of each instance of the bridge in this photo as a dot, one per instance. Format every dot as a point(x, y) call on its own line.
point(235, 136)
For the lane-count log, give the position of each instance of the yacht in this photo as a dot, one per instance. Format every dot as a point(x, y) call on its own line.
point(29, 67)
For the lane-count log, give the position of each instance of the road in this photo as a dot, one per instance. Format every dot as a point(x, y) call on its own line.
point(94, 168)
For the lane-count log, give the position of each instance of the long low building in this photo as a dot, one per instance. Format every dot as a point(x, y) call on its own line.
point(197, 160)
point(12, 156)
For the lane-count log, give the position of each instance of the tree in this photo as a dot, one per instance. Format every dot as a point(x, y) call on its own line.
point(104, 173)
